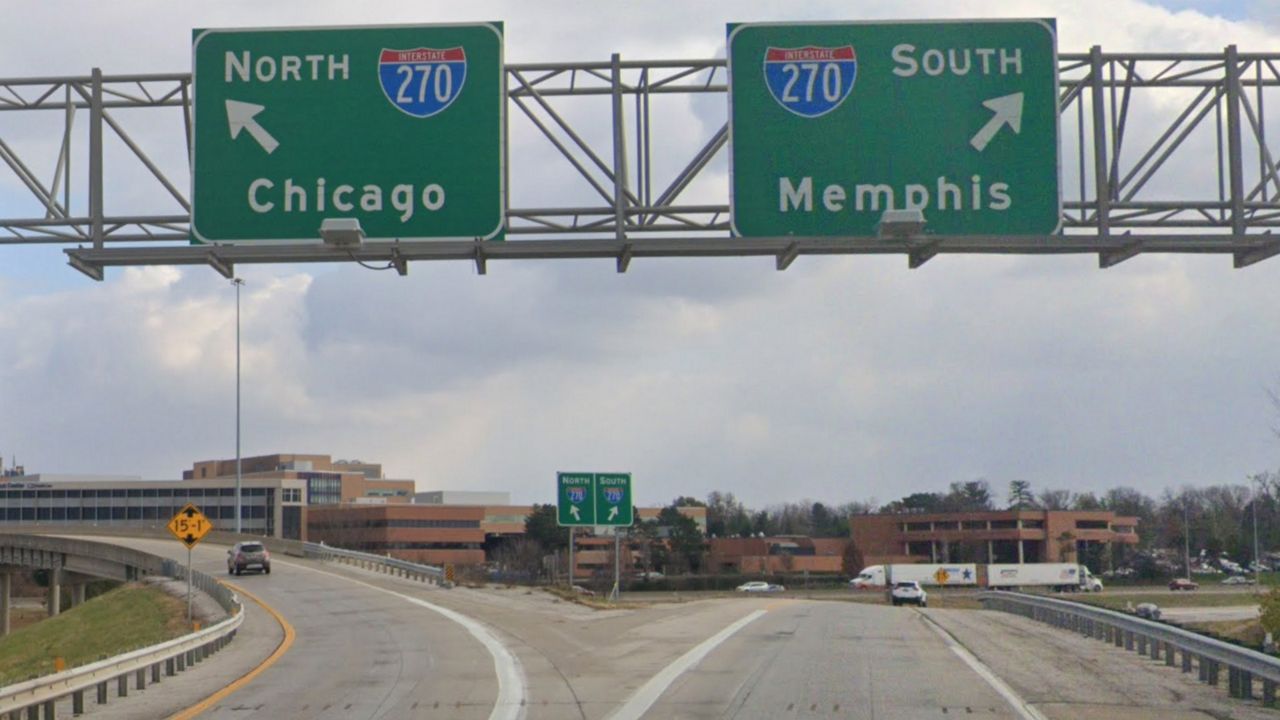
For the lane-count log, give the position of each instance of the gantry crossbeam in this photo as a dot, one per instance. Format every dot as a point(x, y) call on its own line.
point(1160, 153)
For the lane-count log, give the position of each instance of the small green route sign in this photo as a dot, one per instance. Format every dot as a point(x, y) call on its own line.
point(613, 499)
point(832, 124)
point(576, 498)
point(399, 127)
point(594, 499)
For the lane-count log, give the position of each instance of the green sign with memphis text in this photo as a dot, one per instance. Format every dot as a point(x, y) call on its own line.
point(832, 124)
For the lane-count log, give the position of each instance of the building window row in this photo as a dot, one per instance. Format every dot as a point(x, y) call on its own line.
point(131, 493)
point(401, 523)
point(381, 546)
point(75, 514)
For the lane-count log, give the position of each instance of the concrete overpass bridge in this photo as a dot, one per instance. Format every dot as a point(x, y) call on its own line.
point(71, 563)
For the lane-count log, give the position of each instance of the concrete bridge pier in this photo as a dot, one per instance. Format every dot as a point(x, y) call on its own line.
point(6, 591)
point(55, 591)
point(76, 583)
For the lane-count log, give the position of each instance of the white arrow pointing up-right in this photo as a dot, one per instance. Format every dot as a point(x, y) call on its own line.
point(1008, 111)
point(240, 116)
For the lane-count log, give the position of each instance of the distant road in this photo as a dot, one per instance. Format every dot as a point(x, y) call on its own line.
point(1210, 588)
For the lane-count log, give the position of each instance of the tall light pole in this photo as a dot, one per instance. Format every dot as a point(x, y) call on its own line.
point(238, 283)
point(1186, 534)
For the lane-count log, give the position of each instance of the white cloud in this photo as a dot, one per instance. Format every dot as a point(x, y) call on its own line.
point(842, 378)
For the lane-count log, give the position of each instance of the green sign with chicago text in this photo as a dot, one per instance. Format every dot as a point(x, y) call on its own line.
point(399, 127)
point(832, 124)
point(594, 499)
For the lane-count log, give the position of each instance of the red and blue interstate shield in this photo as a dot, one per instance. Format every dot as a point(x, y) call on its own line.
point(810, 81)
point(423, 81)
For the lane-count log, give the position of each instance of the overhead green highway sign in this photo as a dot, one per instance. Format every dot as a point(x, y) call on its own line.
point(832, 124)
point(399, 127)
point(594, 499)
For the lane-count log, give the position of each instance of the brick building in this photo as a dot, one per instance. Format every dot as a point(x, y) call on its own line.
point(430, 534)
point(1004, 536)
point(329, 482)
point(436, 531)
point(772, 555)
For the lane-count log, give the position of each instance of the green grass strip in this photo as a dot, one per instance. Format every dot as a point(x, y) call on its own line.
point(127, 618)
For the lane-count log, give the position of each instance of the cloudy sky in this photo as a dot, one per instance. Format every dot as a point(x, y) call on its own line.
point(843, 378)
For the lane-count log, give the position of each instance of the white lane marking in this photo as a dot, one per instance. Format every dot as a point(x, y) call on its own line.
point(1020, 706)
point(648, 694)
point(512, 685)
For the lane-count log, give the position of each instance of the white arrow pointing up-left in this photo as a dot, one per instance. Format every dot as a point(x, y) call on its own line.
point(1008, 111)
point(240, 116)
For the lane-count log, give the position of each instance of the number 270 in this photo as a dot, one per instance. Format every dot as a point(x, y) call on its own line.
point(831, 81)
point(441, 87)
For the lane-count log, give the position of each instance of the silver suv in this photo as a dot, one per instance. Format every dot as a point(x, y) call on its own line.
point(248, 555)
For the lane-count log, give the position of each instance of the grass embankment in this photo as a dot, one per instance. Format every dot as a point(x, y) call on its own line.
point(1168, 599)
point(124, 619)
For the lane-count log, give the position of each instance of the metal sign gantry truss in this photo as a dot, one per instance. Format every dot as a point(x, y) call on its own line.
point(1138, 134)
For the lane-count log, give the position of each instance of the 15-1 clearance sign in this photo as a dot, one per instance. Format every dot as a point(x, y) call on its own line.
point(399, 127)
point(832, 124)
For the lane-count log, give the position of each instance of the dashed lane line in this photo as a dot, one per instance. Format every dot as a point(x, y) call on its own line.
point(1020, 706)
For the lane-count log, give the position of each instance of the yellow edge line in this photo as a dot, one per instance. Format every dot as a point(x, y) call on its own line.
point(243, 680)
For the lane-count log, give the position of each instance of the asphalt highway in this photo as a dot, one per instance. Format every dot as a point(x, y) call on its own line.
point(362, 645)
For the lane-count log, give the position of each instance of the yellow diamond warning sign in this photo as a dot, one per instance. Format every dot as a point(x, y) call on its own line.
point(942, 576)
point(190, 525)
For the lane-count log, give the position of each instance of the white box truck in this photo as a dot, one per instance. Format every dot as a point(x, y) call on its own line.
point(1063, 577)
point(942, 575)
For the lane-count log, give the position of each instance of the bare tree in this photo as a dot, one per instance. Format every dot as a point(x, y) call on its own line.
point(1055, 499)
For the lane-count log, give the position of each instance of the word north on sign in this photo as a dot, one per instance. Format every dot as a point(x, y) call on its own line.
point(958, 120)
point(399, 127)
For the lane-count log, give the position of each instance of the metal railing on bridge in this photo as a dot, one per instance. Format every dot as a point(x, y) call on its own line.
point(1198, 653)
point(379, 563)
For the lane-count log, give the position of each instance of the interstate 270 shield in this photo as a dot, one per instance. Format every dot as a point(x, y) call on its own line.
point(810, 81)
point(424, 81)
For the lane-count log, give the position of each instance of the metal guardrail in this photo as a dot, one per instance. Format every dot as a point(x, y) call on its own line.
point(173, 656)
point(1152, 639)
point(380, 563)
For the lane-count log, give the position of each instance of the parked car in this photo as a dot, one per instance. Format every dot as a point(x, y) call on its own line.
point(759, 586)
point(1238, 580)
point(1183, 584)
point(248, 555)
point(909, 592)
